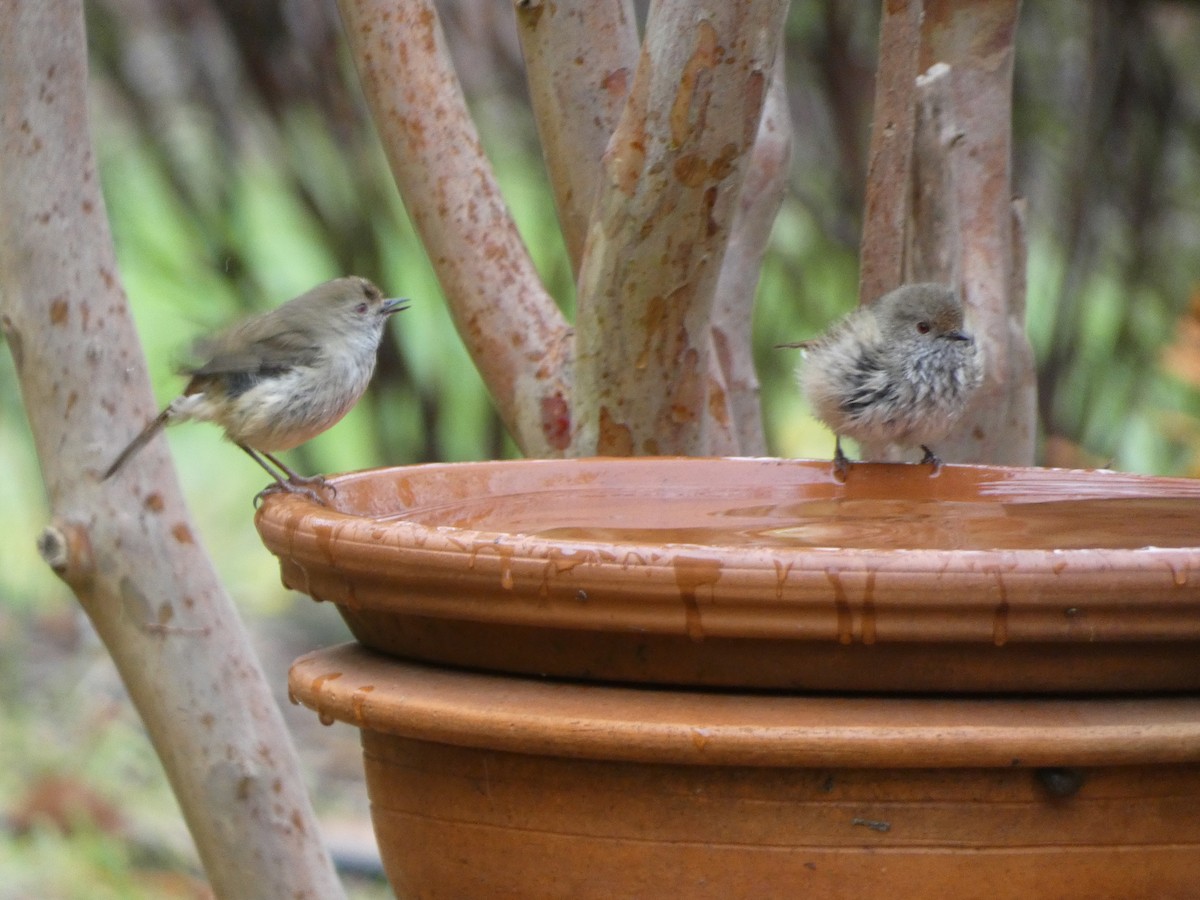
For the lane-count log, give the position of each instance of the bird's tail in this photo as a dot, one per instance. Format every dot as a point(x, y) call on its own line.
point(139, 442)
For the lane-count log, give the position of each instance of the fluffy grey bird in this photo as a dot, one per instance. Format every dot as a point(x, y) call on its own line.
point(275, 380)
point(898, 371)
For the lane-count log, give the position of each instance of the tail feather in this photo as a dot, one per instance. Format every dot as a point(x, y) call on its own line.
point(139, 442)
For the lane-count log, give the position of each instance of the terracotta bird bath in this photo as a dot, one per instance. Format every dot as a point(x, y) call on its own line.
point(742, 678)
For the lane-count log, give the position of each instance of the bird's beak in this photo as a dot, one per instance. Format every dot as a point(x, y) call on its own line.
point(393, 305)
point(957, 336)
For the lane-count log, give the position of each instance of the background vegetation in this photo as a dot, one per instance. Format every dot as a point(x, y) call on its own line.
point(239, 169)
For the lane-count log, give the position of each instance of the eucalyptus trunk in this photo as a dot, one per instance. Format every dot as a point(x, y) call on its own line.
point(127, 547)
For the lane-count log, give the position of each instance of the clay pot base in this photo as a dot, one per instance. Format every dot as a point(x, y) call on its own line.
point(486, 786)
point(754, 573)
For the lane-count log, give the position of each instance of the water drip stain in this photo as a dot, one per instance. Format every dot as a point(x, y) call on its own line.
point(781, 575)
point(358, 700)
point(868, 613)
point(1000, 620)
point(320, 680)
point(845, 624)
point(691, 574)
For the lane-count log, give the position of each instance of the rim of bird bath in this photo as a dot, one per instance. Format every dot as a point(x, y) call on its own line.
point(762, 573)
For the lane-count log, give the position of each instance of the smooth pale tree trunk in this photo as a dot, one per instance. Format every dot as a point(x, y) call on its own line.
point(579, 62)
point(127, 547)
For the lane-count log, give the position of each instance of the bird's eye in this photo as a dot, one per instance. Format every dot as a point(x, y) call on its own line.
point(362, 308)
point(923, 327)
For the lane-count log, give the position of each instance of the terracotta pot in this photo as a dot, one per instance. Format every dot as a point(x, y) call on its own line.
point(487, 786)
point(763, 573)
point(729, 577)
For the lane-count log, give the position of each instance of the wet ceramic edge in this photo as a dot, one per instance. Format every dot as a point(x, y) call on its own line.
point(352, 684)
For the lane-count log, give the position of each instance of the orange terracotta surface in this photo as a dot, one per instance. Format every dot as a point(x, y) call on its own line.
point(763, 573)
point(485, 786)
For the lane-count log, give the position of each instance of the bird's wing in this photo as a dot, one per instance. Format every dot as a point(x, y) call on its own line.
point(268, 354)
point(869, 385)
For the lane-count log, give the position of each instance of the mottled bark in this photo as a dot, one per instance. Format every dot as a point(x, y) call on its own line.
point(889, 160)
point(647, 369)
point(579, 62)
point(127, 548)
point(645, 379)
point(733, 307)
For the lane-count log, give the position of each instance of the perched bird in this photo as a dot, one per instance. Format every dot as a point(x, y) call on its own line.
point(898, 371)
point(274, 380)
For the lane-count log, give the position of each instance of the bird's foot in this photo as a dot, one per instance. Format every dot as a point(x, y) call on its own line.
point(841, 463)
point(930, 458)
point(293, 477)
point(319, 481)
point(289, 487)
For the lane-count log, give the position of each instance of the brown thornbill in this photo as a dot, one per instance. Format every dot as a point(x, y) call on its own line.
point(899, 371)
point(275, 380)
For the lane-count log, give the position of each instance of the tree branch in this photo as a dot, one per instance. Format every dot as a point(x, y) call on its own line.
point(579, 61)
point(673, 173)
point(127, 547)
point(889, 160)
point(511, 326)
point(733, 310)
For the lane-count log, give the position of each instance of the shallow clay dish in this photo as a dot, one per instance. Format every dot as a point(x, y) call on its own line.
point(763, 573)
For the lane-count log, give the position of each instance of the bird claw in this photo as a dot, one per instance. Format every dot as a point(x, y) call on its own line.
point(841, 470)
point(841, 463)
point(930, 458)
point(293, 488)
point(302, 481)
